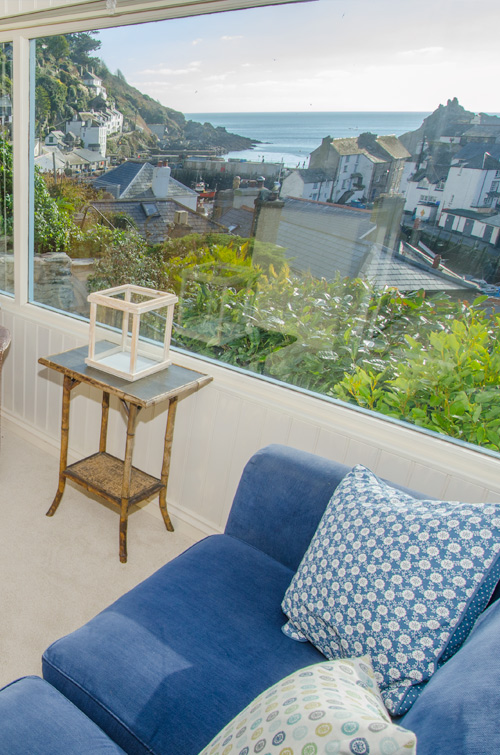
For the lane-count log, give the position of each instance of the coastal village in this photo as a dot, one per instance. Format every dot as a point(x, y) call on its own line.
point(418, 211)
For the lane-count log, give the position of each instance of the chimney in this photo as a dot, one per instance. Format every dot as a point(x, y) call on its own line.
point(386, 214)
point(180, 217)
point(161, 179)
point(267, 216)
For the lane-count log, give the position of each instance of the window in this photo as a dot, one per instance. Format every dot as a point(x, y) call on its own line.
point(170, 170)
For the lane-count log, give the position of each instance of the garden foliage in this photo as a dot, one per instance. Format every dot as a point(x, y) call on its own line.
point(423, 359)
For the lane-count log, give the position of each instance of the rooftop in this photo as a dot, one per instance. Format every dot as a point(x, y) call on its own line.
point(153, 217)
point(133, 179)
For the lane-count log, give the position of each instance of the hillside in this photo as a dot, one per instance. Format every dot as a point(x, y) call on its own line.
point(62, 62)
point(447, 120)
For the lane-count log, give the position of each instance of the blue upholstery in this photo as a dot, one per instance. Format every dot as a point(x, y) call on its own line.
point(458, 713)
point(164, 668)
point(36, 720)
point(280, 500)
point(281, 497)
point(167, 666)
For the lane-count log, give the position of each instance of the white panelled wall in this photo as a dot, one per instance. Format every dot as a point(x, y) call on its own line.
point(219, 428)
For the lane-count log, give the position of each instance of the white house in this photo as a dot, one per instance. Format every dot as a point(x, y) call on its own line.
point(473, 185)
point(354, 177)
point(307, 184)
point(362, 167)
point(54, 139)
point(484, 226)
point(111, 119)
point(94, 83)
point(423, 190)
point(91, 130)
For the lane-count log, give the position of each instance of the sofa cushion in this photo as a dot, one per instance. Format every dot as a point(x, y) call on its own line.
point(398, 578)
point(458, 712)
point(332, 707)
point(164, 668)
point(36, 718)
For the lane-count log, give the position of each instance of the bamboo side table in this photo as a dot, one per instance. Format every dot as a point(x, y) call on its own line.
point(116, 480)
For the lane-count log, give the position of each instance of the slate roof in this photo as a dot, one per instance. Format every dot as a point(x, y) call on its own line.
point(46, 161)
point(433, 173)
point(488, 219)
point(393, 147)
point(312, 175)
point(385, 267)
point(484, 131)
point(378, 149)
point(474, 150)
point(73, 159)
point(348, 146)
point(323, 238)
point(238, 221)
point(134, 179)
point(326, 240)
point(89, 155)
point(121, 177)
point(482, 162)
point(176, 190)
point(155, 226)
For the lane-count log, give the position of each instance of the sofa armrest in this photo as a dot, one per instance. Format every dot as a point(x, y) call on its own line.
point(280, 500)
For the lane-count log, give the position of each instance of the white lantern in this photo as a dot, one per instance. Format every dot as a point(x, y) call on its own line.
point(122, 307)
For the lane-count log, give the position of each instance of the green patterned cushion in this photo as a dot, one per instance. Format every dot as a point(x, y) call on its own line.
point(332, 708)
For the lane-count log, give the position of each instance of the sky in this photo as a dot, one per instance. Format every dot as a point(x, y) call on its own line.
point(324, 55)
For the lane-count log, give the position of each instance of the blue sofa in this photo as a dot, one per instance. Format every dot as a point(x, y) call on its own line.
point(166, 666)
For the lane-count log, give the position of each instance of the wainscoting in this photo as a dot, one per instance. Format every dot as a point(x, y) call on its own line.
point(219, 428)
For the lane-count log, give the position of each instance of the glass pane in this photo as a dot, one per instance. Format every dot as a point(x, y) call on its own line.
point(6, 199)
point(322, 204)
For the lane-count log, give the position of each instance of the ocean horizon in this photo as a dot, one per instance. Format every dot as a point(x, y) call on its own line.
point(290, 137)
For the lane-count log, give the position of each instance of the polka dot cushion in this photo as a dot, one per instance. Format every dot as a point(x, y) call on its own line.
point(395, 577)
point(331, 708)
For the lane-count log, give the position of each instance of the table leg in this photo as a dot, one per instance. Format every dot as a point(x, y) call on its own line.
point(167, 454)
point(104, 422)
point(127, 473)
point(68, 385)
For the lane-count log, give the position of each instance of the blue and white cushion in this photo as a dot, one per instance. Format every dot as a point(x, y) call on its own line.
point(398, 578)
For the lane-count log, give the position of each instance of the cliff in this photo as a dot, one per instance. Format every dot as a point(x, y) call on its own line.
point(62, 63)
point(447, 120)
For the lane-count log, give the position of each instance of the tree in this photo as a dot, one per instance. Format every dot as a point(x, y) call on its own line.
point(57, 47)
point(81, 44)
point(42, 109)
point(55, 93)
point(53, 225)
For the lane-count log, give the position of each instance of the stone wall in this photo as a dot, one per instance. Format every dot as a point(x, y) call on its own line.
point(58, 281)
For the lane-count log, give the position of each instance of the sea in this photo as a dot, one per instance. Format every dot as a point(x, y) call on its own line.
point(291, 137)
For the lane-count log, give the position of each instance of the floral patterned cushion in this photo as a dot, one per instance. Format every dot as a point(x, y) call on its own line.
point(398, 578)
point(331, 707)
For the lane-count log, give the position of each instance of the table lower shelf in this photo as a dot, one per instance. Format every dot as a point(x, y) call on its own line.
point(102, 474)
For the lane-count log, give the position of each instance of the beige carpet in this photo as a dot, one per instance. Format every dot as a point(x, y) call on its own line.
point(58, 572)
